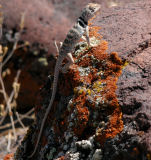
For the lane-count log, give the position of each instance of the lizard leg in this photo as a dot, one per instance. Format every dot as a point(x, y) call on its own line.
point(56, 47)
point(61, 44)
point(87, 36)
point(83, 37)
point(70, 62)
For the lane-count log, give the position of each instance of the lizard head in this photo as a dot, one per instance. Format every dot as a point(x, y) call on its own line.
point(90, 10)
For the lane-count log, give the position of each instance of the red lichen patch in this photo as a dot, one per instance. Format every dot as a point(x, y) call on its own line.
point(83, 117)
point(71, 79)
point(94, 31)
point(86, 62)
point(114, 65)
point(9, 156)
point(114, 127)
point(100, 51)
point(93, 81)
point(112, 69)
point(115, 124)
point(115, 59)
point(61, 158)
point(82, 114)
point(75, 77)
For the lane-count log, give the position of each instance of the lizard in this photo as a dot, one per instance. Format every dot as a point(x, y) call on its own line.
point(73, 36)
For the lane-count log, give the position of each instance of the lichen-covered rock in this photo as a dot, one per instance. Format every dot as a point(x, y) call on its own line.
point(9, 156)
point(85, 106)
point(97, 155)
point(86, 109)
point(84, 144)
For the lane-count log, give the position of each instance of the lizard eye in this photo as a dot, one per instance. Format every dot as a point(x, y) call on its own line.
point(92, 9)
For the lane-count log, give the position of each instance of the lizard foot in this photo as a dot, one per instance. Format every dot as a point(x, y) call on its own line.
point(70, 62)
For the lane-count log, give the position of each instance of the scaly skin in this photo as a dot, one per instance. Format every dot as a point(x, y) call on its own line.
point(72, 38)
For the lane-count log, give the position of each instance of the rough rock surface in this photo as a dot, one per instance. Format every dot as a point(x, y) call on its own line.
point(75, 129)
point(134, 90)
point(127, 29)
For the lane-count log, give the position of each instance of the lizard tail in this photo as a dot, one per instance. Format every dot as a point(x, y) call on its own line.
point(55, 81)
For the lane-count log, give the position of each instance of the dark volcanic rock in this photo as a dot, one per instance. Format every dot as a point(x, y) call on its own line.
point(134, 92)
point(127, 28)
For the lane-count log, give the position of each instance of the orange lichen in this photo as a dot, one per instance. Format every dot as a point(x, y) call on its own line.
point(114, 127)
point(93, 81)
point(100, 51)
point(112, 70)
point(82, 114)
point(61, 158)
point(9, 156)
point(94, 31)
